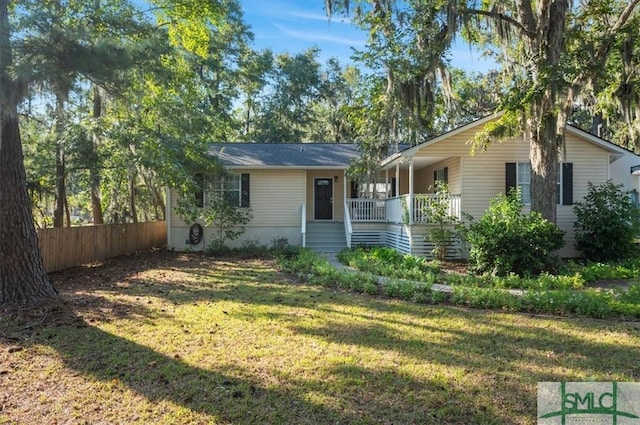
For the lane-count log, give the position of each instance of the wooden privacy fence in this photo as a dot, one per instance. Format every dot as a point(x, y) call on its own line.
point(66, 247)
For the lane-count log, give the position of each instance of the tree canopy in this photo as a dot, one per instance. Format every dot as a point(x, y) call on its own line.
point(551, 55)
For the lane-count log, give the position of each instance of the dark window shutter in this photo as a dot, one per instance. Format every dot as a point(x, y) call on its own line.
point(354, 189)
point(435, 177)
point(567, 183)
point(511, 177)
point(245, 191)
point(393, 187)
point(199, 193)
point(446, 175)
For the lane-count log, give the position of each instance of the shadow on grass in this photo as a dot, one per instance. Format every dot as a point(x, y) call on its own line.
point(527, 353)
point(220, 394)
point(491, 369)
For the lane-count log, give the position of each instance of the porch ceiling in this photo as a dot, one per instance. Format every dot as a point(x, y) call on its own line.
point(418, 162)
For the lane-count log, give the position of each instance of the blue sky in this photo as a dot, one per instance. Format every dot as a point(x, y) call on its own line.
point(295, 25)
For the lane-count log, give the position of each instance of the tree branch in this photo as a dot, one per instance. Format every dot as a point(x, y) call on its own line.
point(526, 15)
point(608, 38)
point(503, 17)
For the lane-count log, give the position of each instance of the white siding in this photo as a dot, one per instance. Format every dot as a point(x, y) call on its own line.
point(483, 174)
point(424, 177)
point(276, 198)
point(621, 171)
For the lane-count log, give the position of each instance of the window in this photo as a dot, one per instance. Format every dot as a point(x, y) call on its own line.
point(374, 190)
point(519, 175)
point(523, 180)
point(234, 188)
point(441, 174)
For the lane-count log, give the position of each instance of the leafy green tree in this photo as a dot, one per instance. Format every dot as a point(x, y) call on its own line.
point(607, 223)
point(227, 220)
point(443, 231)
point(255, 69)
point(286, 110)
point(549, 50)
point(60, 44)
point(334, 106)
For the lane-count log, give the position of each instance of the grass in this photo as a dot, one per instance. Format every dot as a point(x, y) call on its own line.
point(185, 339)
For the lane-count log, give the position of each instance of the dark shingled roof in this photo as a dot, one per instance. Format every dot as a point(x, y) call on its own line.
point(285, 154)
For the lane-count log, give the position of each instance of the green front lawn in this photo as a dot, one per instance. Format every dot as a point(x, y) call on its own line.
point(186, 339)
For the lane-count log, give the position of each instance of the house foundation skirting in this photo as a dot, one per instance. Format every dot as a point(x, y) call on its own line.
point(406, 239)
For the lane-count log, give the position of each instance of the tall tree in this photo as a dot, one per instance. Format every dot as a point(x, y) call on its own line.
point(255, 69)
point(23, 279)
point(63, 41)
point(536, 39)
point(286, 111)
point(337, 96)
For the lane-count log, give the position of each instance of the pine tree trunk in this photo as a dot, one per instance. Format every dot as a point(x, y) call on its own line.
point(23, 279)
point(61, 189)
point(94, 173)
point(132, 196)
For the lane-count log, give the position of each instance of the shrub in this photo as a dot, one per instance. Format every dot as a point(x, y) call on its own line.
point(443, 231)
point(228, 220)
point(384, 261)
point(607, 223)
point(506, 240)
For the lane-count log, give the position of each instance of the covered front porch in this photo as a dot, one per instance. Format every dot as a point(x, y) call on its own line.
point(399, 215)
point(409, 182)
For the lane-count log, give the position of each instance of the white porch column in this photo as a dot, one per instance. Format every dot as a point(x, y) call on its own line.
point(410, 191)
point(344, 186)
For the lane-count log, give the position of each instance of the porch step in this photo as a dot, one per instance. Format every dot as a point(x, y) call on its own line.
point(326, 236)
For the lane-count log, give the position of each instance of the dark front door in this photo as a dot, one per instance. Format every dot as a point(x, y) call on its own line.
point(324, 199)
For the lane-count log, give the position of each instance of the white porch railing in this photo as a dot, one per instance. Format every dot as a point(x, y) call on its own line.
point(348, 230)
point(396, 210)
point(421, 203)
point(367, 210)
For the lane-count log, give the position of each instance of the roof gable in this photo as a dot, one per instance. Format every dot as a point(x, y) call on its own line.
point(412, 151)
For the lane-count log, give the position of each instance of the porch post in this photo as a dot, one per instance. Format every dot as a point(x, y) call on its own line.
point(410, 191)
point(344, 186)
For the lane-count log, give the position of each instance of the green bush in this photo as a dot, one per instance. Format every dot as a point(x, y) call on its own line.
point(443, 231)
point(384, 261)
point(505, 240)
point(547, 294)
point(592, 272)
point(607, 223)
